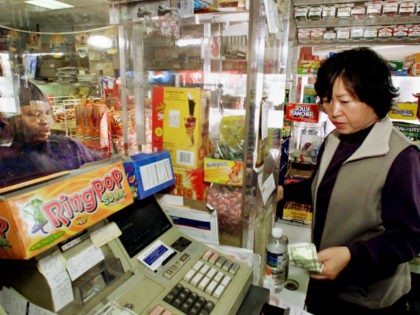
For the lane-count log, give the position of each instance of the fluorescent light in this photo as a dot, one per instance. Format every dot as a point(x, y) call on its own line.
point(100, 41)
point(49, 4)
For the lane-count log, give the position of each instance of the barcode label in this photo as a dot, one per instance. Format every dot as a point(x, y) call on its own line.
point(185, 157)
point(155, 174)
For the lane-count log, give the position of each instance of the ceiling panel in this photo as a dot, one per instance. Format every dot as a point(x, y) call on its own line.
point(86, 13)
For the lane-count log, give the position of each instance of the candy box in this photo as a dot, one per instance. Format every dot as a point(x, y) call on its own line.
point(180, 124)
point(223, 171)
point(410, 130)
point(189, 184)
point(149, 173)
point(403, 111)
point(36, 218)
point(302, 112)
point(297, 212)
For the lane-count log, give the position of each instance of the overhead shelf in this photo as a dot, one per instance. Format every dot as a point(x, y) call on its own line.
point(369, 42)
point(217, 17)
point(311, 2)
point(377, 21)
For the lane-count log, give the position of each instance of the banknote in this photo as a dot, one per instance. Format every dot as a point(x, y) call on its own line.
point(304, 255)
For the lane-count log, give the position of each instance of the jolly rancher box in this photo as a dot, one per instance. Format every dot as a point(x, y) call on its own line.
point(180, 120)
point(38, 217)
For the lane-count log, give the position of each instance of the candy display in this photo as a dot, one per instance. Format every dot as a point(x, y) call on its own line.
point(227, 201)
point(180, 124)
point(36, 219)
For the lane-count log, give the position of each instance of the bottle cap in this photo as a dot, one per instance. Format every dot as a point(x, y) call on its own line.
point(277, 232)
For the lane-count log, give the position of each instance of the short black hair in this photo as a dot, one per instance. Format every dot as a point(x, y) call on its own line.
point(30, 92)
point(365, 74)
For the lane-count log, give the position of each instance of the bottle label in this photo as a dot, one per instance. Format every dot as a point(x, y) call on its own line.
point(277, 261)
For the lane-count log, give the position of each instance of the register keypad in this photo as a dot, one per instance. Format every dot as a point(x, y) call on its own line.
point(211, 274)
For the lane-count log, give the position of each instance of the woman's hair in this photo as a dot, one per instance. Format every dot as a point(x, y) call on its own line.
point(365, 74)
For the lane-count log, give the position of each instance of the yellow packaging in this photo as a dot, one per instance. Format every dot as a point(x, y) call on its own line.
point(404, 111)
point(297, 212)
point(185, 125)
point(39, 217)
point(413, 57)
point(223, 171)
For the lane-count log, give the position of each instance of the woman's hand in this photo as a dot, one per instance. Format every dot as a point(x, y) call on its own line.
point(335, 259)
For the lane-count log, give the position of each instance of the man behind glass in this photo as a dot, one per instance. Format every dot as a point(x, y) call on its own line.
point(34, 151)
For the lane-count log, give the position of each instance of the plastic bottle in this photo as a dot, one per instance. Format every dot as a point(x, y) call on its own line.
point(277, 257)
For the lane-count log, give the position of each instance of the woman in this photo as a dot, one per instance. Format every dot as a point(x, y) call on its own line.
point(365, 193)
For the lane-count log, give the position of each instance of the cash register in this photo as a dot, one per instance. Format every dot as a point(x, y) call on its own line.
point(172, 273)
point(151, 268)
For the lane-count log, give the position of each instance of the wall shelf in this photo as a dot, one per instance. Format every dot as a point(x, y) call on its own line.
point(365, 21)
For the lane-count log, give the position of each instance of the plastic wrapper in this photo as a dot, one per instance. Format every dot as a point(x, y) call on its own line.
point(305, 140)
point(227, 200)
point(229, 145)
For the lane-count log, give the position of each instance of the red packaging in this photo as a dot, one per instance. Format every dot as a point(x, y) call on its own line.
point(302, 112)
point(158, 114)
point(189, 184)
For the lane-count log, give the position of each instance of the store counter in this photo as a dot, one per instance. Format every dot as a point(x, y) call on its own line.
point(294, 299)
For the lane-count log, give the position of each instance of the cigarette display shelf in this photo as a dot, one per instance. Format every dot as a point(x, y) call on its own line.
point(364, 21)
point(361, 42)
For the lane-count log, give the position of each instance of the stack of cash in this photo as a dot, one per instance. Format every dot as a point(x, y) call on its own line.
point(303, 255)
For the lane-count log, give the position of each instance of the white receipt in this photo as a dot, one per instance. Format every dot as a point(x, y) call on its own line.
point(105, 234)
point(83, 261)
point(54, 270)
point(12, 301)
point(267, 188)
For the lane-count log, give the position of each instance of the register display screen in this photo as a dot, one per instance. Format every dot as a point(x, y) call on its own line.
point(141, 223)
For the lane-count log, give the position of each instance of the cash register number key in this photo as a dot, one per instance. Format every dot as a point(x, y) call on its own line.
point(211, 274)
